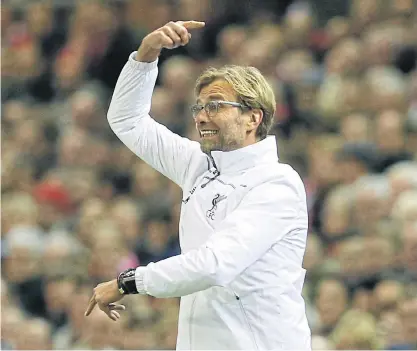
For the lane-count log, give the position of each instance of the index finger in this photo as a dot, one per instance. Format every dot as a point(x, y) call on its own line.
point(192, 24)
point(91, 304)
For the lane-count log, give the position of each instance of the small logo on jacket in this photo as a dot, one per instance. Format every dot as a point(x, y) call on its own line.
point(212, 211)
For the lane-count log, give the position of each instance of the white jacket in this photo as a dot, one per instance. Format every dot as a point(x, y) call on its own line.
point(243, 229)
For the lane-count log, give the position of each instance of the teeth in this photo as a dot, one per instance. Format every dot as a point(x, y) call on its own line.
point(205, 133)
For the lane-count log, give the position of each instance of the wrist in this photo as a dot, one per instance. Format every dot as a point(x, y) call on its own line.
point(147, 54)
point(126, 282)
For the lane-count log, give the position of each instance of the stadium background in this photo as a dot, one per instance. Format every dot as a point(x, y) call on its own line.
point(78, 206)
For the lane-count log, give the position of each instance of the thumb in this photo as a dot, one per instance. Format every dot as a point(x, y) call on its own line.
point(192, 24)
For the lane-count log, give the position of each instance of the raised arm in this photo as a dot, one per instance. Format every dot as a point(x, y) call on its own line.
point(128, 113)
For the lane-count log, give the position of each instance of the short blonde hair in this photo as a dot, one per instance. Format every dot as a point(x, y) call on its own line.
point(251, 87)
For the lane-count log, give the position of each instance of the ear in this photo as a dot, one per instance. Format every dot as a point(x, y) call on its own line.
point(255, 119)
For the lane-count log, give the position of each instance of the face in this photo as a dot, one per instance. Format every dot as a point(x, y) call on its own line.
point(387, 294)
point(331, 301)
point(232, 127)
point(408, 312)
point(355, 128)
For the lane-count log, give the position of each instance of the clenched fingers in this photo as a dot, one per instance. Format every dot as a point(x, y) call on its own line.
point(181, 31)
point(172, 34)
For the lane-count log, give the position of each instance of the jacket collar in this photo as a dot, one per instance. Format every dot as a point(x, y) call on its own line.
point(264, 151)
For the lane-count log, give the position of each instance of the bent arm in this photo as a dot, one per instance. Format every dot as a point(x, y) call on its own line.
point(264, 217)
point(128, 116)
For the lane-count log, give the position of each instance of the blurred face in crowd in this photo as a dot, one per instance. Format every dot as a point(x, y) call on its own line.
point(27, 60)
point(229, 128)
point(351, 256)
point(85, 109)
point(108, 249)
point(387, 295)
point(177, 76)
point(72, 147)
point(163, 105)
point(378, 256)
point(21, 264)
point(345, 57)
point(15, 111)
point(322, 161)
point(336, 28)
point(11, 323)
point(390, 132)
point(369, 207)
point(400, 182)
point(331, 301)
point(408, 313)
point(40, 17)
point(68, 70)
point(298, 24)
point(126, 216)
point(230, 40)
point(92, 211)
point(101, 332)
point(56, 294)
point(29, 136)
point(36, 335)
point(351, 170)
point(147, 181)
point(76, 308)
point(294, 64)
point(157, 236)
point(82, 184)
point(337, 212)
point(390, 328)
point(56, 258)
point(385, 91)
point(364, 12)
point(355, 128)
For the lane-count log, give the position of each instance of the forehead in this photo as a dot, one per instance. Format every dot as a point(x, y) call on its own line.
point(218, 89)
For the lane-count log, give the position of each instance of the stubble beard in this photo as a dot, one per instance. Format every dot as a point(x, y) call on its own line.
point(222, 144)
point(228, 142)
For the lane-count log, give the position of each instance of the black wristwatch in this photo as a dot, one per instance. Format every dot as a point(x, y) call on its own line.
point(126, 282)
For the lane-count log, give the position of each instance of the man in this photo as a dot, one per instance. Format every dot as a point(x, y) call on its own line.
point(243, 222)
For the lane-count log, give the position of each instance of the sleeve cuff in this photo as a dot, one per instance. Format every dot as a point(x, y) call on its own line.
point(142, 66)
point(140, 280)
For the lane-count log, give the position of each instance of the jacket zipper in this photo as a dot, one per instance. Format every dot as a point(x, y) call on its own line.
point(190, 322)
point(245, 316)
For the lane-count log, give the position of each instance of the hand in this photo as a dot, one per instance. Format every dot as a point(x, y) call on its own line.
point(104, 295)
point(170, 36)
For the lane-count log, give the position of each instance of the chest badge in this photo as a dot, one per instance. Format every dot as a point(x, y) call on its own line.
point(212, 211)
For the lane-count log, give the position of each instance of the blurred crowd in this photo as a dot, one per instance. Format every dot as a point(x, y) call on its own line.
point(78, 207)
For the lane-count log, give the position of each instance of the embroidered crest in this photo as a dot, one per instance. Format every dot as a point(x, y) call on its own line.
point(212, 211)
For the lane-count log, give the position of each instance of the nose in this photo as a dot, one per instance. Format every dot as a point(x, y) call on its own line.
point(202, 118)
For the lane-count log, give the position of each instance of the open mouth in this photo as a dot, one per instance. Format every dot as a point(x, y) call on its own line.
point(208, 133)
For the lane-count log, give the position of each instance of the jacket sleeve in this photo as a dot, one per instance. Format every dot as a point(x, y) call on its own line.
point(265, 215)
point(128, 116)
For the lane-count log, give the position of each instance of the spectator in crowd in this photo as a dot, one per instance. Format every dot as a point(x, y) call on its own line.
point(78, 207)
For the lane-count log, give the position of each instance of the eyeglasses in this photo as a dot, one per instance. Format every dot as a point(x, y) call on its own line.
point(212, 107)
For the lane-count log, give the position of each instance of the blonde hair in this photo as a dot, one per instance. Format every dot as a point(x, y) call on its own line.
point(251, 87)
